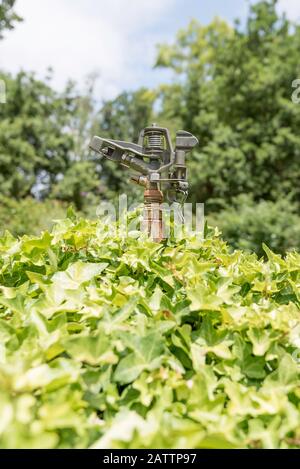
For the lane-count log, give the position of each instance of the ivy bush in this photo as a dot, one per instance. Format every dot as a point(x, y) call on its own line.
point(109, 340)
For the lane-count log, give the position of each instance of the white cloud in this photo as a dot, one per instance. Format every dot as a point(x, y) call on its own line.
point(114, 37)
point(291, 8)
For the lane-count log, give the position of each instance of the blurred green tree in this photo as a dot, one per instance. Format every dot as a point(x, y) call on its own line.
point(35, 141)
point(235, 95)
point(81, 183)
point(122, 118)
point(8, 16)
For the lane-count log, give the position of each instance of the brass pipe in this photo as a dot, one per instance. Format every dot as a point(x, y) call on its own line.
point(152, 216)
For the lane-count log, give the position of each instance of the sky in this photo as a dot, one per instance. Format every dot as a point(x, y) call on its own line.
point(116, 39)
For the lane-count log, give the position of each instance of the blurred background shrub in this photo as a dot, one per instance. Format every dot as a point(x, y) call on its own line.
point(29, 215)
point(247, 224)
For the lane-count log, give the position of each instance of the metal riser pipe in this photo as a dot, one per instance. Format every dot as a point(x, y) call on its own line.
point(152, 216)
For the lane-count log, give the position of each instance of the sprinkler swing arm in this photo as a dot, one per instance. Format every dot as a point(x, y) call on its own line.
point(160, 169)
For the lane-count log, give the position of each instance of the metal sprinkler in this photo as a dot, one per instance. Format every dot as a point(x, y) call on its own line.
point(160, 169)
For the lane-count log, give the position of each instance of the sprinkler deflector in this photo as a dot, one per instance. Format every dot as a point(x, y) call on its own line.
point(159, 169)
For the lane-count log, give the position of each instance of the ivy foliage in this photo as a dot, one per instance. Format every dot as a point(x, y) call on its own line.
point(111, 340)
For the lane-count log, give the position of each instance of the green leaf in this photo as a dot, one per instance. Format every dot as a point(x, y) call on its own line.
point(92, 350)
point(146, 356)
point(260, 340)
point(77, 273)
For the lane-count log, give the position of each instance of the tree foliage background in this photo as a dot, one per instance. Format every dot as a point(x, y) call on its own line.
point(231, 87)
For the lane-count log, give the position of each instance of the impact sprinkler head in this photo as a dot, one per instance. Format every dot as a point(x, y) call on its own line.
point(159, 169)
